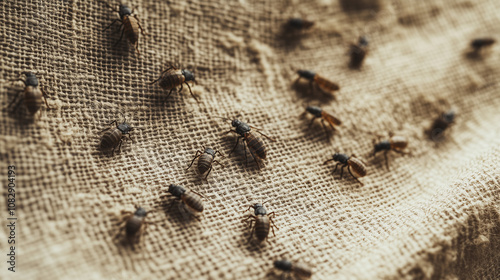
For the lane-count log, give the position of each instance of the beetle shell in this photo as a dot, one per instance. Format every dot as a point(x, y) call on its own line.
point(399, 142)
point(32, 99)
point(262, 227)
point(357, 166)
point(172, 78)
point(256, 145)
point(111, 138)
point(192, 200)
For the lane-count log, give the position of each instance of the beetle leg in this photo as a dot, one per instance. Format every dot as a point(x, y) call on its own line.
point(139, 23)
point(210, 169)
point(237, 141)
point(219, 163)
point(342, 170)
point(192, 94)
point(312, 121)
point(195, 157)
point(335, 169)
point(386, 160)
point(114, 21)
point(121, 37)
point(326, 130)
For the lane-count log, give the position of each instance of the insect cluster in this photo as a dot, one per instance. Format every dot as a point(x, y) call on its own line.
point(261, 223)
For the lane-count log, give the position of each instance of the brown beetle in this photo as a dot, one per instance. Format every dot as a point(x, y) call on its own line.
point(135, 225)
point(357, 165)
point(255, 144)
point(358, 52)
point(131, 26)
point(189, 198)
point(440, 125)
point(263, 222)
point(299, 270)
point(320, 113)
point(114, 136)
point(316, 80)
point(173, 77)
point(206, 158)
point(32, 94)
point(395, 143)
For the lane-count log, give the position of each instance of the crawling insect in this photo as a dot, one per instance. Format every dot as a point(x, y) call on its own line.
point(114, 136)
point(352, 162)
point(358, 52)
point(173, 77)
point(440, 125)
point(395, 143)
point(135, 225)
point(206, 158)
point(298, 24)
point(296, 269)
point(319, 113)
point(131, 26)
point(189, 198)
point(32, 94)
point(255, 144)
point(316, 80)
point(263, 221)
point(480, 43)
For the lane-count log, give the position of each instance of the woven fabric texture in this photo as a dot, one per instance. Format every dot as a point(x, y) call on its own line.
point(433, 215)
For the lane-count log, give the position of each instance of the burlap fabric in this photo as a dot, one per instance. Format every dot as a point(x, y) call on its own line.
point(433, 215)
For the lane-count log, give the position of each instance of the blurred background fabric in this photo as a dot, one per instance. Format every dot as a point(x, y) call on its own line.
point(433, 215)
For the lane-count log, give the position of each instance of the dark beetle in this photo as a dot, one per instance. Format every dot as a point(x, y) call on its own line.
point(131, 26)
point(114, 136)
point(254, 143)
point(357, 165)
point(205, 160)
point(358, 52)
point(316, 80)
point(173, 77)
point(299, 24)
point(480, 43)
point(297, 269)
point(190, 198)
point(32, 94)
point(319, 113)
point(263, 221)
point(395, 143)
point(440, 125)
point(134, 225)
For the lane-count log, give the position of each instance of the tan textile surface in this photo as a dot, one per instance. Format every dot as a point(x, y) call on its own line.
point(433, 215)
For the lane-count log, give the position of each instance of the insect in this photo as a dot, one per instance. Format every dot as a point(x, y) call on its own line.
point(480, 43)
point(205, 160)
point(189, 198)
point(352, 162)
point(299, 24)
point(173, 77)
point(114, 136)
point(131, 26)
point(297, 269)
point(255, 144)
point(316, 80)
point(319, 113)
point(358, 52)
point(134, 225)
point(32, 94)
point(395, 143)
point(263, 221)
point(440, 125)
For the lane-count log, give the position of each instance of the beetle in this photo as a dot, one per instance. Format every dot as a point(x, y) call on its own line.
point(32, 94)
point(173, 77)
point(480, 43)
point(441, 124)
point(114, 136)
point(135, 225)
point(255, 144)
point(320, 113)
point(352, 162)
point(299, 24)
point(131, 26)
point(395, 143)
point(189, 198)
point(316, 80)
point(299, 270)
point(358, 52)
point(263, 222)
point(206, 158)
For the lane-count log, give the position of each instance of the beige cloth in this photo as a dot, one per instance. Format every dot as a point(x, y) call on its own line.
point(433, 215)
